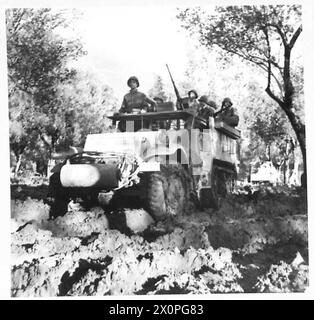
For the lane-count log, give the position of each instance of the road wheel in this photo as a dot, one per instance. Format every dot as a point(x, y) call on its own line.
point(230, 182)
point(219, 189)
point(168, 192)
point(223, 183)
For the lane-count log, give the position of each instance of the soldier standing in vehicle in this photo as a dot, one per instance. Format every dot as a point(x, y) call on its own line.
point(227, 113)
point(192, 99)
point(207, 107)
point(190, 102)
point(205, 110)
point(135, 99)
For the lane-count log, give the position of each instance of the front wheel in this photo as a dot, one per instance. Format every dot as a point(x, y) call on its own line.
point(61, 200)
point(168, 192)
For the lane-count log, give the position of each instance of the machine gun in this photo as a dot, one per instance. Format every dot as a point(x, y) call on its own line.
point(180, 102)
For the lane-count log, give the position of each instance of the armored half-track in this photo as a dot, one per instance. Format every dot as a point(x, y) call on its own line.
point(160, 158)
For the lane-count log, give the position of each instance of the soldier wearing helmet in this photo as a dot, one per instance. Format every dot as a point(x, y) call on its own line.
point(227, 113)
point(192, 99)
point(135, 100)
point(207, 107)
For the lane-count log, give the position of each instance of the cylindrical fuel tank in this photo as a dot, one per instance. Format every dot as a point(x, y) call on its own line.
point(104, 176)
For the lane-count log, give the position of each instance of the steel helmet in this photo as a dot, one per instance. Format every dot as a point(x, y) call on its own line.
point(227, 100)
point(203, 99)
point(212, 104)
point(196, 95)
point(135, 79)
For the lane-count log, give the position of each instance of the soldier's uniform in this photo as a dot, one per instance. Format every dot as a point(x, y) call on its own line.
point(205, 110)
point(192, 100)
point(228, 114)
point(207, 107)
point(135, 100)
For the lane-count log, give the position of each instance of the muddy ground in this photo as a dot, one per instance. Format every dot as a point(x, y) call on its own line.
point(254, 243)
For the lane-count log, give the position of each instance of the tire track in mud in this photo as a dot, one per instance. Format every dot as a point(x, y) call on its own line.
point(241, 250)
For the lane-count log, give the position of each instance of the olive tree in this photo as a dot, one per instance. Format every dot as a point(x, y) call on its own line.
point(264, 36)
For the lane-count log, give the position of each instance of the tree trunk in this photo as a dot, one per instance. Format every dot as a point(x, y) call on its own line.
point(268, 152)
point(287, 106)
point(299, 129)
point(297, 125)
point(294, 177)
point(18, 165)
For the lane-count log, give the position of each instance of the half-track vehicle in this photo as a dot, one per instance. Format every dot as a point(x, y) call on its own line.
point(163, 158)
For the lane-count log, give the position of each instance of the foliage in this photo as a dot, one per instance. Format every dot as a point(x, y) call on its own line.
point(265, 121)
point(84, 103)
point(264, 36)
point(37, 65)
point(37, 55)
point(51, 106)
point(247, 31)
point(159, 90)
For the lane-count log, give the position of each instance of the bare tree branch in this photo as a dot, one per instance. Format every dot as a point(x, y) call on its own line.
point(280, 32)
point(18, 21)
point(295, 37)
point(269, 72)
point(274, 97)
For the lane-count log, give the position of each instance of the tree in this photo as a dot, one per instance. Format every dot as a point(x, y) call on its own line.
point(83, 103)
point(263, 36)
point(37, 64)
point(158, 89)
point(269, 133)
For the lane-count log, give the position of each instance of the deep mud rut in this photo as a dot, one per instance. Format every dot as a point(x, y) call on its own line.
point(252, 244)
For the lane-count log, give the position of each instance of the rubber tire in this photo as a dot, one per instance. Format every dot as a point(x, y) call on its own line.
point(59, 206)
point(167, 192)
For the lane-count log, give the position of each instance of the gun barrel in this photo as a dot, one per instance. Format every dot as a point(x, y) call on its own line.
point(175, 89)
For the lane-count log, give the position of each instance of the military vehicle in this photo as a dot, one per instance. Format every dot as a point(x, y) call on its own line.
point(162, 158)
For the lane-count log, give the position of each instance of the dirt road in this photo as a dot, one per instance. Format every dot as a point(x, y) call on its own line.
point(250, 245)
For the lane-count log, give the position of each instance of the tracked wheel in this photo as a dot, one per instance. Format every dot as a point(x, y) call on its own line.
point(222, 184)
point(168, 192)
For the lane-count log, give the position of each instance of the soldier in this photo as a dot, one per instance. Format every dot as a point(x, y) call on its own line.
point(190, 102)
point(227, 113)
point(205, 110)
point(192, 99)
point(207, 107)
point(135, 99)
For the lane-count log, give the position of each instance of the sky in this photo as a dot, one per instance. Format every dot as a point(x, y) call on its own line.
point(137, 40)
point(133, 40)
